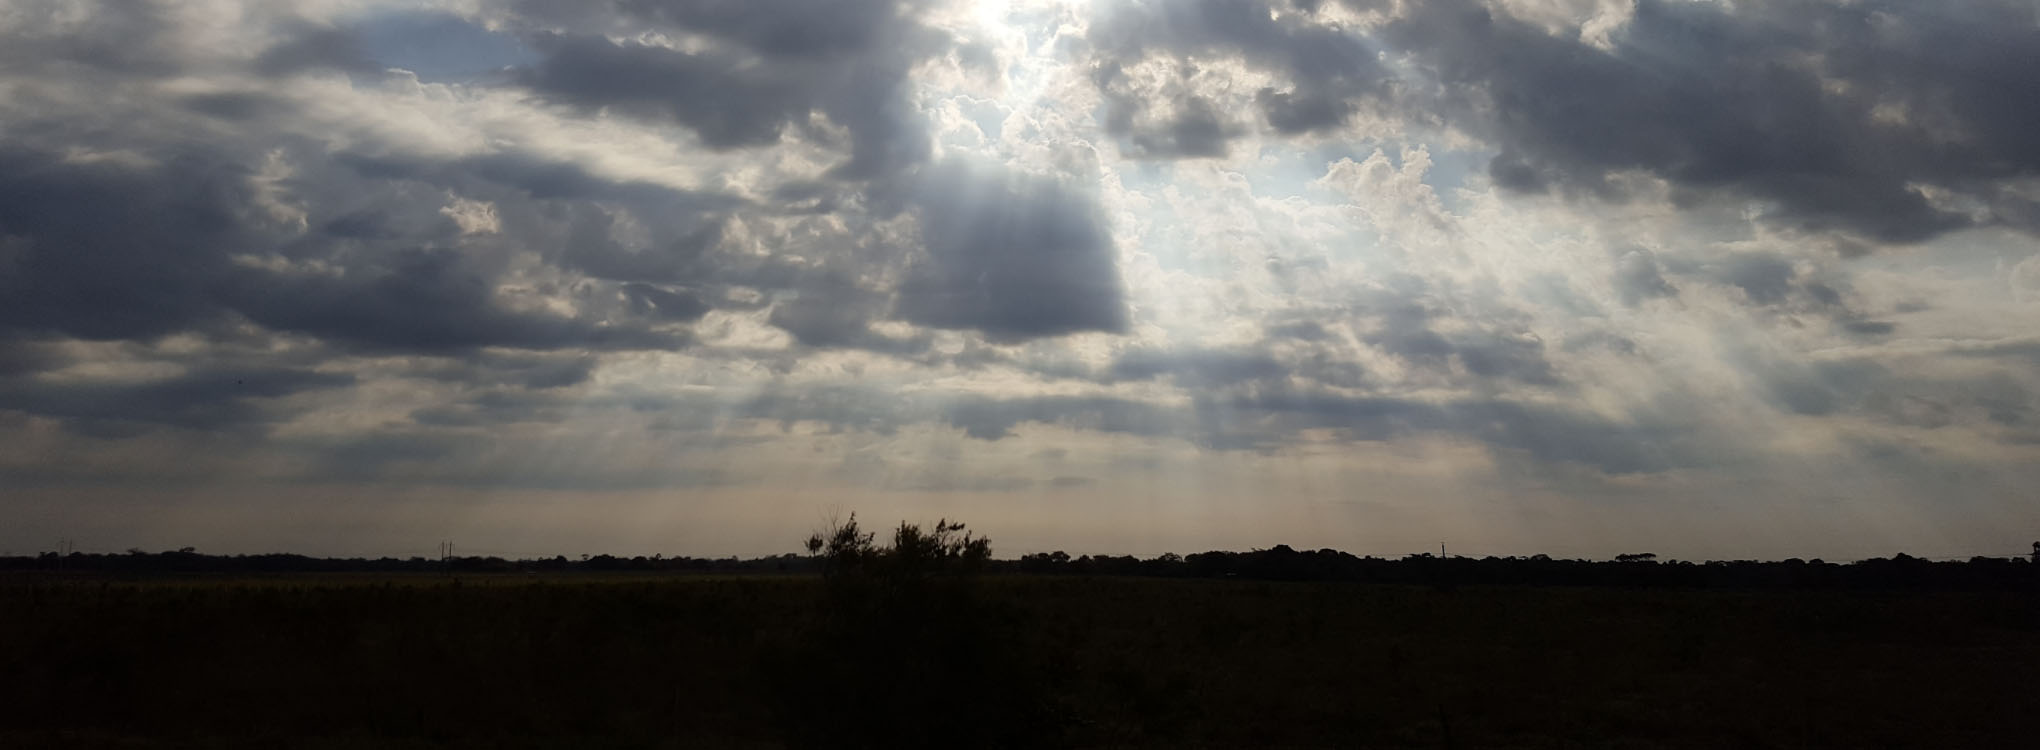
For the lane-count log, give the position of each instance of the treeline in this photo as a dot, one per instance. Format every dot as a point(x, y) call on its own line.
point(190, 561)
point(1280, 563)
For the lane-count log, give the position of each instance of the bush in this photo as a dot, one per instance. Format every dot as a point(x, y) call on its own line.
point(905, 652)
point(947, 550)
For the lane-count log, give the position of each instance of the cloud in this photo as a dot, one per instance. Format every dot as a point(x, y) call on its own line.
point(111, 250)
point(1637, 278)
point(1013, 256)
point(783, 63)
point(903, 252)
point(114, 36)
point(102, 250)
point(218, 398)
point(1835, 113)
point(425, 301)
point(1324, 75)
point(1196, 368)
point(1763, 278)
point(1889, 121)
point(726, 105)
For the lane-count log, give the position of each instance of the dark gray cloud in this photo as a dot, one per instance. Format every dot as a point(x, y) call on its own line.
point(1764, 278)
point(846, 60)
point(729, 104)
point(1496, 354)
point(206, 398)
point(675, 269)
point(1637, 278)
point(1013, 256)
point(107, 251)
point(1777, 285)
point(1305, 330)
point(1649, 443)
point(1269, 419)
point(832, 310)
point(494, 408)
point(1196, 368)
point(19, 357)
point(1997, 403)
point(1487, 342)
point(1834, 114)
point(1821, 388)
point(425, 301)
point(534, 370)
point(1832, 111)
point(839, 408)
point(589, 246)
point(994, 418)
point(315, 49)
point(1009, 256)
point(1194, 129)
point(237, 106)
point(1869, 327)
point(667, 304)
point(827, 30)
point(1327, 74)
point(137, 249)
point(127, 37)
point(435, 456)
point(537, 177)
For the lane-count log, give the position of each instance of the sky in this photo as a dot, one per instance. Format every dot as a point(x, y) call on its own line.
point(1709, 279)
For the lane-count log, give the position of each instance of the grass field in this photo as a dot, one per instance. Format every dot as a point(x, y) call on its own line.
point(580, 661)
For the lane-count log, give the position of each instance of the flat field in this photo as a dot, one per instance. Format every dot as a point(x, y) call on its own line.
point(587, 661)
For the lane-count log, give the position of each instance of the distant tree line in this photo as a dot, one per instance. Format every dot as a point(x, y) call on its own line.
point(850, 549)
point(188, 560)
point(1281, 563)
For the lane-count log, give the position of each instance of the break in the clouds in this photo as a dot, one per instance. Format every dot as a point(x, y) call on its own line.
point(1573, 276)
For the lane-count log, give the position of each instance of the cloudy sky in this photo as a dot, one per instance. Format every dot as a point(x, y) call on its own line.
point(1704, 278)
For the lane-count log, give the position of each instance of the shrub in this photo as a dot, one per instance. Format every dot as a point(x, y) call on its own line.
point(905, 650)
point(949, 549)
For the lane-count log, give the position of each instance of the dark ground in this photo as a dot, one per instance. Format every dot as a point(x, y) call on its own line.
point(590, 661)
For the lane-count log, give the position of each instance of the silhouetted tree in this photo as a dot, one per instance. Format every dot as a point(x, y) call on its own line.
point(947, 549)
point(903, 652)
point(841, 546)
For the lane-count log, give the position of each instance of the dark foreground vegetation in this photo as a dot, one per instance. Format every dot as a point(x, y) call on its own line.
point(1279, 563)
point(913, 645)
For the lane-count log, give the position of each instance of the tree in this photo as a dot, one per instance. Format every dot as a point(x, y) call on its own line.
point(903, 651)
point(948, 549)
point(842, 546)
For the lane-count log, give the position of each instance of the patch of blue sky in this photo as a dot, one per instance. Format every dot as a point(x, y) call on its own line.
point(1179, 243)
point(1149, 177)
point(1287, 172)
point(1452, 170)
point(439, 47)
